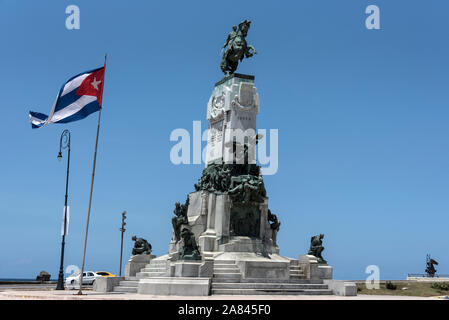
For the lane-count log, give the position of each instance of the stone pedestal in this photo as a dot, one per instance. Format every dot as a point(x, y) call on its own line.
point(106, 284)
point(187, 269)
point(264, 269)
point(136, 263)
point(233, 105)
point(210, 219)
point(207, 242)
point(314, 270)
point(342, 288)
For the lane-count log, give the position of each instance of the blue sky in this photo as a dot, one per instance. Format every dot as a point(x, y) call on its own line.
point(362, 118)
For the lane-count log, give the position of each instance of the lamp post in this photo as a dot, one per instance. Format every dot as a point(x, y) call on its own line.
point(64, 143)
point(122, 229)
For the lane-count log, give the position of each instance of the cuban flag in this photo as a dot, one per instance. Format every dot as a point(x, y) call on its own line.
point(78, 97)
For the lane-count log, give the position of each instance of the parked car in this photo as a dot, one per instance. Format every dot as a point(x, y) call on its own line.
point(88, 278)
point(105, 274)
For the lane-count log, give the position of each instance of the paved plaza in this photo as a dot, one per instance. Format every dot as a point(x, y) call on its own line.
point(14, 294)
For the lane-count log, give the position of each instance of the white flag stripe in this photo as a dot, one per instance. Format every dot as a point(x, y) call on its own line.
point(35, 120)
point(73, 84)
point(72, 108)
point(52, 111)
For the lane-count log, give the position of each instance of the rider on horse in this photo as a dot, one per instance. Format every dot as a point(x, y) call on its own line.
point(236, 48)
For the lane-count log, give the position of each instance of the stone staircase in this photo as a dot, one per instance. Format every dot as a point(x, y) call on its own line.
point(129, 285)
point(156, 268)
point(226, 269)
point(227, 280)
point(295, 270)
point(269, 287)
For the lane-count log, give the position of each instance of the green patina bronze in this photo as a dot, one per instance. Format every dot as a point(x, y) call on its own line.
point(141, 246)
point(180, 218)
point(245, 220)
point(236, 48)
point(242, 182)
point(275, 225)
point(245, 187)
point(189, 250)
point(316, 247)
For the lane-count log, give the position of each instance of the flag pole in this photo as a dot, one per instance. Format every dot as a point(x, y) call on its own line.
point(91, 190)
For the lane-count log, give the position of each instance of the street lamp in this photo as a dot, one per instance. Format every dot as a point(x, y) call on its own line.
point(64, 143)
point(122, 229)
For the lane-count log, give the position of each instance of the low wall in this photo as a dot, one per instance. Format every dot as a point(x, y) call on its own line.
point(175, 286)
point(427, 279)
point(341, 287)
point(106, 284)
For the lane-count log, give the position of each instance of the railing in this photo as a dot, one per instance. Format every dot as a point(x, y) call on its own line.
point(422, 275)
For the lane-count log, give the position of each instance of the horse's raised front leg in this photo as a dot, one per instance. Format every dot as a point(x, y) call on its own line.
point(248, 51)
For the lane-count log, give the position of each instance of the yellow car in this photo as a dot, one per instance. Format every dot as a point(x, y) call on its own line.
point(105, 274)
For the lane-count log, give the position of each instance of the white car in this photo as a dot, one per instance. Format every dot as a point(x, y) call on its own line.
point(88, 278)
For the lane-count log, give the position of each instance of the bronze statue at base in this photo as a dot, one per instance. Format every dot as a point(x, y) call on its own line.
point(189, 251)
point(141, 246)
point(316, 247)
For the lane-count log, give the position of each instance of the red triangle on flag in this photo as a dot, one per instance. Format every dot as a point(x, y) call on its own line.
point(93, 85)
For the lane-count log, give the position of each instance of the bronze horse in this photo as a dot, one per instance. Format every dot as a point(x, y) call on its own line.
point(236, 48)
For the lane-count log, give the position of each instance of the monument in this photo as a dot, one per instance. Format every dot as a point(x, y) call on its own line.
point(430, 269)
point(224, 235)
point(430, 274)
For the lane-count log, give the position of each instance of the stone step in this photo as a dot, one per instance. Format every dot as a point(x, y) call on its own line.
point(265, 280)
point(295, 271)
point(272, 292)
point(129, 283)
point(268, 286)
point(227, 271)
point(224, 262)
point(125, 289)
point(226, 267)
point(295, 268)
point(297, 277)
point(141, 275)
point(159, 262)
point(153, 269)
point(157, 265)
point(233, 276)
point(208, 254)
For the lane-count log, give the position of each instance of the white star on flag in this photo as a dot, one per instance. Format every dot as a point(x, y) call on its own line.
point(95, 83)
